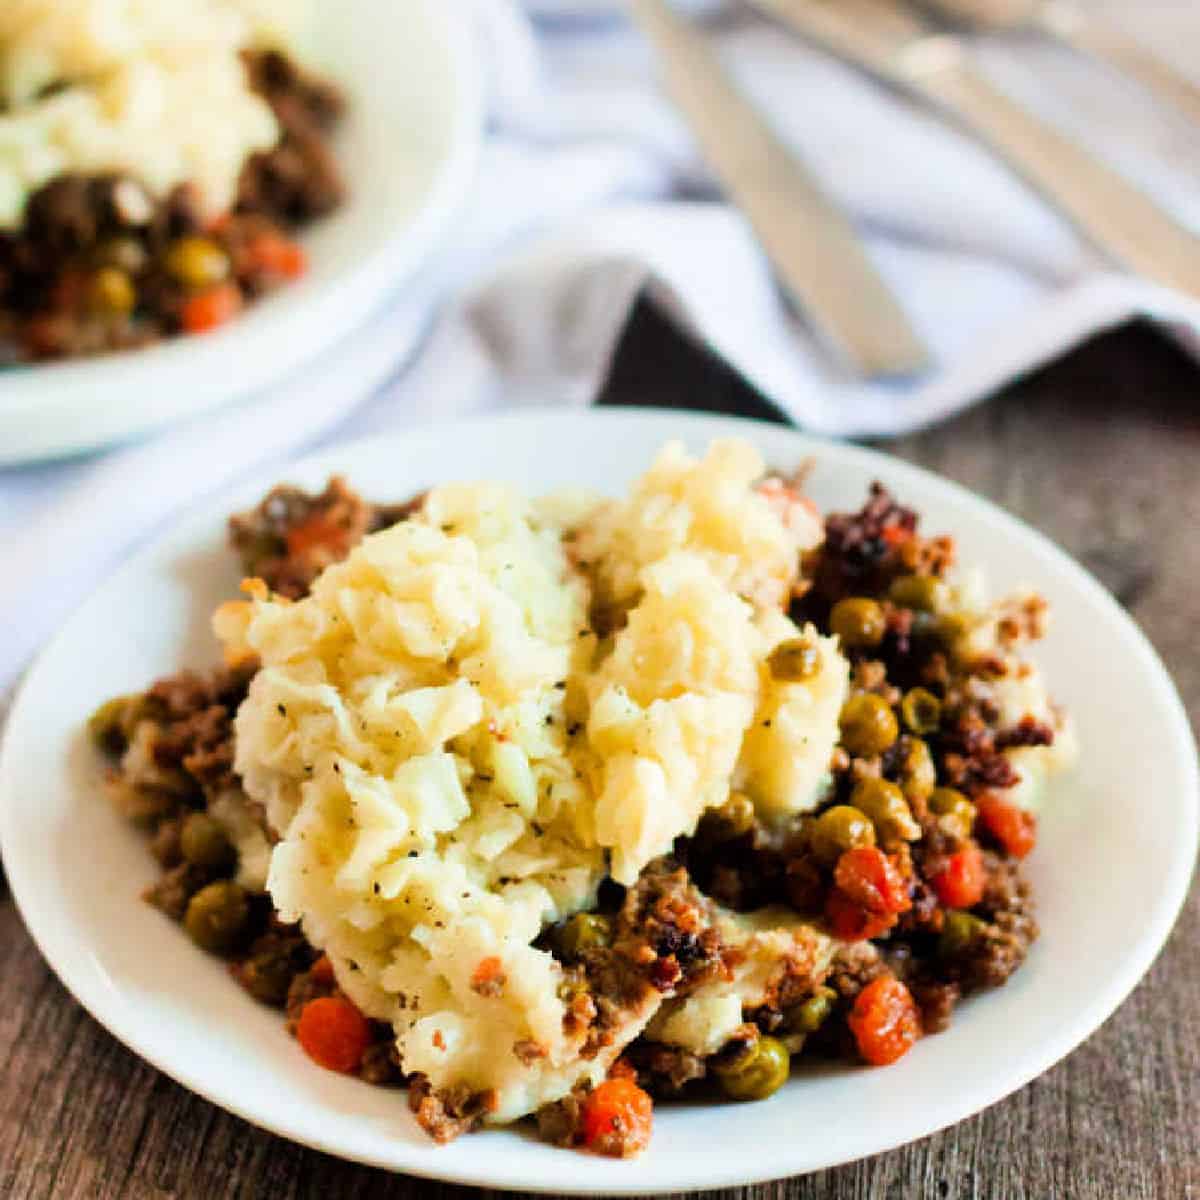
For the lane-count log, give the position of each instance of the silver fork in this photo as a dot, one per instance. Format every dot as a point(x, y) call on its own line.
point(1068, 22)
point(893, 41)
point(817, 256)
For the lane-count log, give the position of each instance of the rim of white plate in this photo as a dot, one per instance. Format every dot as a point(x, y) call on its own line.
point(59, 409)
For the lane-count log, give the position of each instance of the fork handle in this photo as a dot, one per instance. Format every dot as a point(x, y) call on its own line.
point(1113, 213)
point(1129, 56)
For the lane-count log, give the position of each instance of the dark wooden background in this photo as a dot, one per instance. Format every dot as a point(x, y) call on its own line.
point(1102, 452)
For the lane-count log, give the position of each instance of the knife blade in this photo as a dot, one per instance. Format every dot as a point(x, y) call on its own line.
point(813, 248)
point(894, 43)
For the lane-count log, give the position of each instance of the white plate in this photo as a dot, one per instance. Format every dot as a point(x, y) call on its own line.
point(408, 150)
point(1116, 850)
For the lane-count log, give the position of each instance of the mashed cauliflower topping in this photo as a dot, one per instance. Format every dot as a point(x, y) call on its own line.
point(154, 88)
point(454, 756)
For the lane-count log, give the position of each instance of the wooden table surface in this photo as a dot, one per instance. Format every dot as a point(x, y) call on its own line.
point(1102, 452)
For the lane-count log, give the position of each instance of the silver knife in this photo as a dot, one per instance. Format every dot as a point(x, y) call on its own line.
point(894, 43)
point(813, 248)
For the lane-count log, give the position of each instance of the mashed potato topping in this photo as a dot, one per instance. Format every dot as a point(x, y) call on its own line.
point(155, 88)
point(453, 758)
point(749, 536)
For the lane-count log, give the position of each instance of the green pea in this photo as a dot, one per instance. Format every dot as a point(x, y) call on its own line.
point(955, 813)
point(858, 621)
point(960, 931)
point(887, 808)
point(868, 725)
point(921, 710)
point(197, 262)
point(106, 725)
point(582, 932)
point(794, 660)
point(949, 628)
point(217, 916)
point(813, 1013)
point(758, 1072)
point(110, 293)
point(734, 819)
point(924, 593)
point(839, 829)
point(205, 843)
point(918, 775)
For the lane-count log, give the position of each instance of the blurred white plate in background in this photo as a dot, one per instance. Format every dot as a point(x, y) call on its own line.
point(408, 149)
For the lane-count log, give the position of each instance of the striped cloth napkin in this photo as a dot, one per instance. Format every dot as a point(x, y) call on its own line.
point(591, 194)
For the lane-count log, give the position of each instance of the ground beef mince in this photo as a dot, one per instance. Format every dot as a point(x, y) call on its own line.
point(666, 1070)
point(98, 264)
point(449, 1113)
point(291, 536)
point(297, 180)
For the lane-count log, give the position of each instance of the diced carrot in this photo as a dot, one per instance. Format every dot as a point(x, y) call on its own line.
point(884, 1021)
point(960, 883)
point(617, 1118)
point(488, 973)
point(853, 923)
point(1015, 828)
point(212, 308)
point(334, 1033)
point(317, 531)
point(277, 255)
point(872, 880)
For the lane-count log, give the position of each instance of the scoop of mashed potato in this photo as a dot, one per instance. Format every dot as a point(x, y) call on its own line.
point(714, 507)
point(454, 759)
point(155, 88)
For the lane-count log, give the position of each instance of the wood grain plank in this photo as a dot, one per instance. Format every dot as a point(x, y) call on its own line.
point(1101, 453)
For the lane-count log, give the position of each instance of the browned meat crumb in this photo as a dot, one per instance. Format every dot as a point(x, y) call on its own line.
point(165, 843)
point(1008, 908)
point(853, 967)
point(861, 552)
point(665, 1070)
point(1027, 732)
point(307, 985)
point(297, 179)
point(450, 1112)
point(936, 1001)
point(528, 1051)
point(175, 888)
point(381, 1062)
point(560, 1123)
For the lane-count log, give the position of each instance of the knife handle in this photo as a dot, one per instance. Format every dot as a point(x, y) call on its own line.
point(815, 252)
point(1113, 213)
point(1104, 41)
